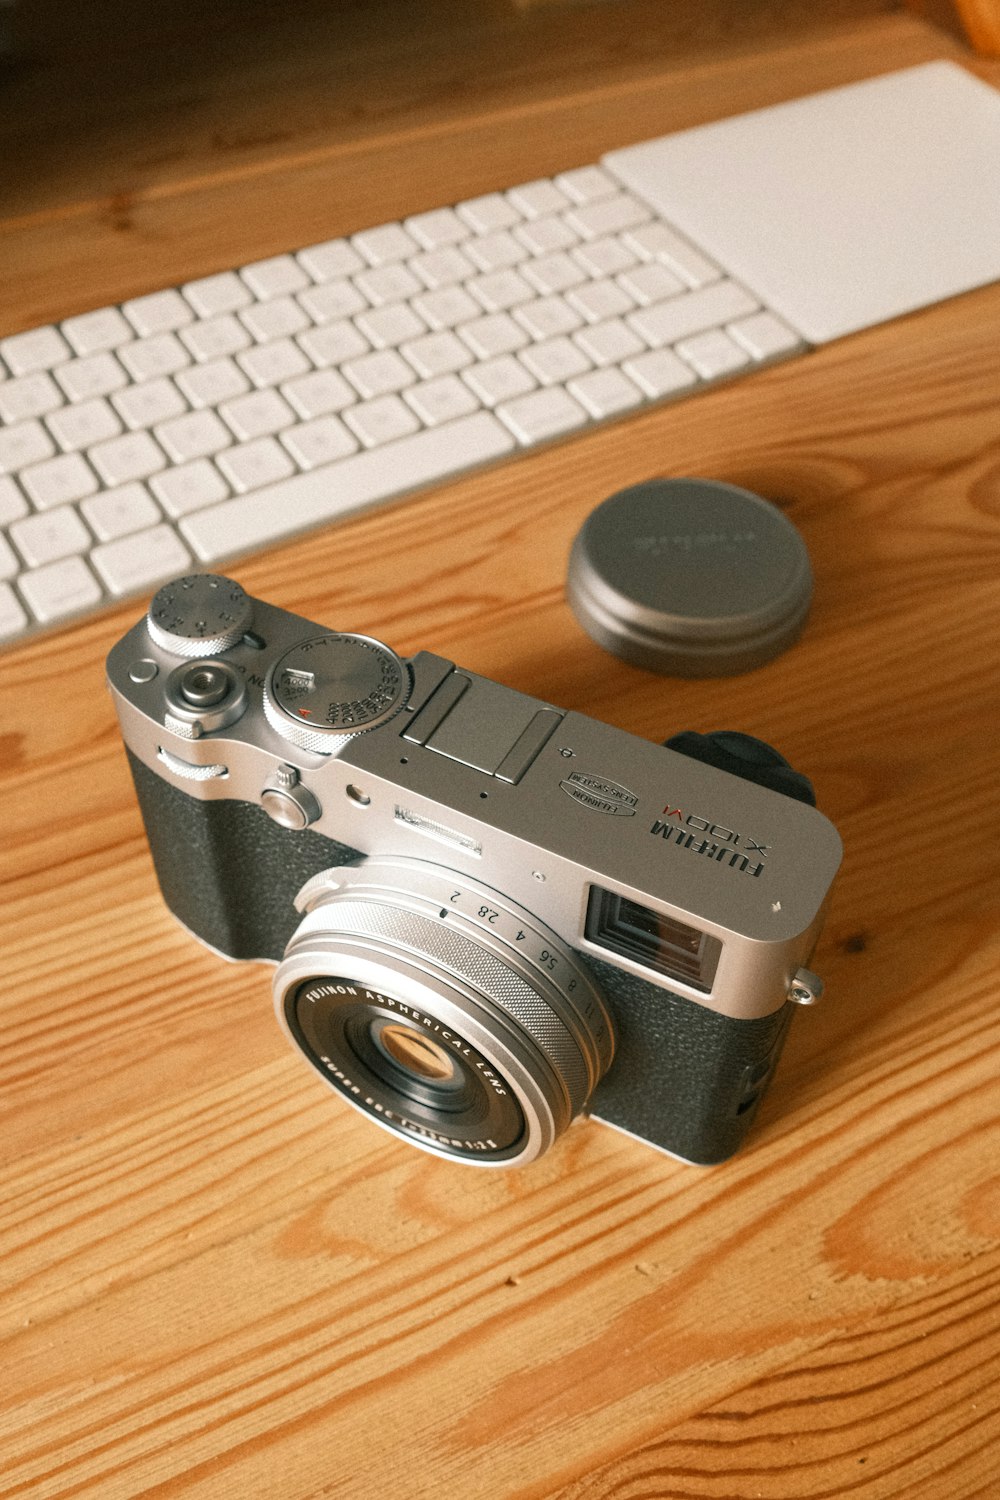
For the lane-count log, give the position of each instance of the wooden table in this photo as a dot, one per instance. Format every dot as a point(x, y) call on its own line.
point(219, 1281)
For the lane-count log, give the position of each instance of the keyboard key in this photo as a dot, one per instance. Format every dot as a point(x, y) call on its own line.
point(391, 283)
point(214, 338)
point(488, 213)
point(48, 537)
point(59, 481)
point(651, 283)
point(134, 562)
point(321, 441)
point(493, 335)
point(496, 252)
point(75, 427)
point(379, 374)
point(96, 375)
point(250, 466)
point(270, 364)
point(536, 199)
point(319, 393)
point(713, 354)
point(437, 354)
point(680, 317)
point(610, 342)
point(660, 372)
point(9, 564)
point(381, 421)
point(212, 295)
point(388, 327)
point(142, 406)
point(542, 236)
point(30, 396)
point(500, 291)
point(434, 230)
point(118, 512)
point(132, 456)
point(548, 317)
point(598, 300)
point(441, 400)
point(38, 349)
point(553, 273)
point(26, 443)
point(587, 184)
point(376, 474)
point(608, 216)
point(555, 361)
point(162, 354)
point(60, 589)
point(258, 414)
point(197, 434)
point(605, 257)
point(277, 319)
point(12, 617)
point(501, 379)
point(657, 242)
point(91, 332)
point(160, 312)
point(209, 385)
point(764, 336)
point(447, 307)
point(541, 415)
point(605, 392)
point(12, 503)
point(387, 243)
point(274, 277)
point(330, 260)
point(333, 301)
point(442, 268)
point(334, 344)
point(189, 487)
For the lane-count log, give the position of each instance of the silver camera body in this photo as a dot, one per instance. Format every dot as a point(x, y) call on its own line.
point(489, 915)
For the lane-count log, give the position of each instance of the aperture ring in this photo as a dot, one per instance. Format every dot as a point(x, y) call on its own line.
point(489, 975)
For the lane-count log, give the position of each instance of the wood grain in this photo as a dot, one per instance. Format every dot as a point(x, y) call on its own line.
point(215, 1280)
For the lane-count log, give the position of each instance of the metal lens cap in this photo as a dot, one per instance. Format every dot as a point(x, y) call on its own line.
point(327, 689)
point(201, 615)
point(690, 577)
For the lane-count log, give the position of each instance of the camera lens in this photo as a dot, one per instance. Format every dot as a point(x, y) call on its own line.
point(415, 1053)
point(417, 1076)
point(443, 1011)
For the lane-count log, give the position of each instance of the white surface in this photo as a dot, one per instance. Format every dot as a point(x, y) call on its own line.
point(845, 208)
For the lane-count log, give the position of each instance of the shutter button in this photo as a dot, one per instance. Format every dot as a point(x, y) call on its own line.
point(287, 801)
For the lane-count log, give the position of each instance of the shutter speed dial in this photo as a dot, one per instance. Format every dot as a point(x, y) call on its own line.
point(202, 615)
point(324, 691)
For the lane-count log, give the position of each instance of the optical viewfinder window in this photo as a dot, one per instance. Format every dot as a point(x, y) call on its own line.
point(651, 938)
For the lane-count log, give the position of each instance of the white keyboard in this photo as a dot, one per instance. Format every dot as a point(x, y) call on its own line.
point(185, 428)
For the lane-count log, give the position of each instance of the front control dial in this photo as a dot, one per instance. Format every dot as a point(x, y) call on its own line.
point(201, 615)
point(326, 690)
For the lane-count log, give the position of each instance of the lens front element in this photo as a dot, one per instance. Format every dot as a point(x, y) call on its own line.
point(425, 999)
point(414, 1053)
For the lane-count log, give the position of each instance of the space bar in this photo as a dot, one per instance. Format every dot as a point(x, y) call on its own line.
point(339, 488)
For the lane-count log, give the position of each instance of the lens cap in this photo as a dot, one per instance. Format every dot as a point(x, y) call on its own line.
point(690, 577)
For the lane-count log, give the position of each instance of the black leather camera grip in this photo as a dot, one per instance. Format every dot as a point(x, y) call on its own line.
point(227, 872)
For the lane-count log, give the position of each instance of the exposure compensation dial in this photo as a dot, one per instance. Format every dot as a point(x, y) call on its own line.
point(201, 615)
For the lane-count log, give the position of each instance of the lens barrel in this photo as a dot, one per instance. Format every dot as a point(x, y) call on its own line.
point(443, 1011)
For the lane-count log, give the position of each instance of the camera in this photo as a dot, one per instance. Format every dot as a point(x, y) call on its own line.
point(489, 915)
